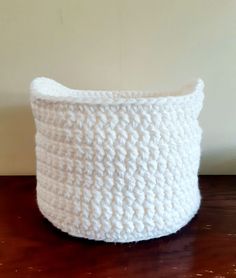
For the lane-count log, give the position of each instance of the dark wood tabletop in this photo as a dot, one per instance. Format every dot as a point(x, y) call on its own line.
point(31, 247)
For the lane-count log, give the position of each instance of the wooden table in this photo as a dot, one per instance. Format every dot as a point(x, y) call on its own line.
point(31, 247)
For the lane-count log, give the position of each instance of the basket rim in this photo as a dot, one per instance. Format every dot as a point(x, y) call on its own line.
point(46, 89)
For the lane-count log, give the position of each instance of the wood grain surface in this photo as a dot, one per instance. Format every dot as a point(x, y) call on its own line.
point(31, 247)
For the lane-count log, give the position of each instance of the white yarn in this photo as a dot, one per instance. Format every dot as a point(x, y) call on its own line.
point(117, 166)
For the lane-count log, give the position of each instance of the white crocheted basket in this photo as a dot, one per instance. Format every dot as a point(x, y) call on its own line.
point(117, 166)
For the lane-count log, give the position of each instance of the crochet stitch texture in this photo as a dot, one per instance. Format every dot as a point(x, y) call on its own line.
point(117, 166)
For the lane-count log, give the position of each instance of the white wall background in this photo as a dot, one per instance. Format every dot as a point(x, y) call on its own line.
point(118, 44)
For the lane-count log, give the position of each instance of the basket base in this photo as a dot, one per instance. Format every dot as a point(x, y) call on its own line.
point(70, 229)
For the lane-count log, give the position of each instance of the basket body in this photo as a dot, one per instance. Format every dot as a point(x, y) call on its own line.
point(116, 168)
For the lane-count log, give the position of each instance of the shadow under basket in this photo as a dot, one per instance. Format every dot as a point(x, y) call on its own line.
point(117, 166)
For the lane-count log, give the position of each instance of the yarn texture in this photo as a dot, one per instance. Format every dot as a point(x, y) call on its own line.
point(117, 166)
